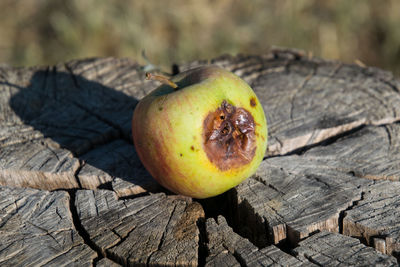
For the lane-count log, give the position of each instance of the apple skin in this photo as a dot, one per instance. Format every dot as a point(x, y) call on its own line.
point(169, 132)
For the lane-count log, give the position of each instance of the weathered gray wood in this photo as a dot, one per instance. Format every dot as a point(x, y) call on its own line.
point(68, 127)
point(329, 249)
point(38, 165)
point(226, 248)
point(117, 163)
point(109, 88)
point(293, 196)
point(54, 113)
point(85, 103)
point(376, 217)
point(36, 229)
point(153, 229)
point(323, 249)
point(371, 153)
point(42, 103)
point(307, 100)
point(104, 262)
point(279, 205)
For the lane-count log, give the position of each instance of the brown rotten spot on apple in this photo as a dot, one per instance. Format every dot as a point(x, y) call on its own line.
point(253, 102)
point(229, 136)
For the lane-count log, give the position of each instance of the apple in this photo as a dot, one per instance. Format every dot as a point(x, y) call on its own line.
point(201, 133)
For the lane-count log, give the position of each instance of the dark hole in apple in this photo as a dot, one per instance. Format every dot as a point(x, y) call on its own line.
point(229, 136)
point(226, 129)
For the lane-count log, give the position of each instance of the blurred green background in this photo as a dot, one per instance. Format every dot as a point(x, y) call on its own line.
point(36, 32)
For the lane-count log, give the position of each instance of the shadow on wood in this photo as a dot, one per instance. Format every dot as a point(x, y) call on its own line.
point(334, 137)
point(90, 120)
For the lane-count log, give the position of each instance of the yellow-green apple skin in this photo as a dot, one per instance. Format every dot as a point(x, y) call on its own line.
point(183, 141)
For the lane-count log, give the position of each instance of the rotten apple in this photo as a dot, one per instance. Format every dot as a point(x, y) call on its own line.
point(200, 133)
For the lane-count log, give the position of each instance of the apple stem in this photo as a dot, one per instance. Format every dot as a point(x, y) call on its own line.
point(162, 79)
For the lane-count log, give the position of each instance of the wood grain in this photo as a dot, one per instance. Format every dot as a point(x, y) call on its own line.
point(329, 249)
point(226, 248)
point(118, 164)
point(331, 172)
point(36, 228)
point(376, 218)
point(294, 196)
point(151, 230)
point(58, 115)
point(308, 100)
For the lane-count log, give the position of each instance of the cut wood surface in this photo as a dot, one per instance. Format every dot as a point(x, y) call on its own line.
point(226, 248)
point(376, 218)
point(329, 249)
point(37, 229)
point(294, 196)
point(74, 192)
point(147, 230)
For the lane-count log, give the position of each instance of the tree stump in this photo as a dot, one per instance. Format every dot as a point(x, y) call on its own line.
point(74, 192)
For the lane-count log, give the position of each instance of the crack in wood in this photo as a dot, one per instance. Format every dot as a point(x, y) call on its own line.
point(245, 217)
point(97, 116)
point(83, 233)
point(310, 258)
point(81, 164)
point(327, 248)
point(325, 142)
point(350, 207)
point(162, 239)
point(239, 259)
point(250, 225)
point(375, 73)
point(230, 211)
point(203, 241)
point(389, 137)
point(332, 139)
point(301, 87)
